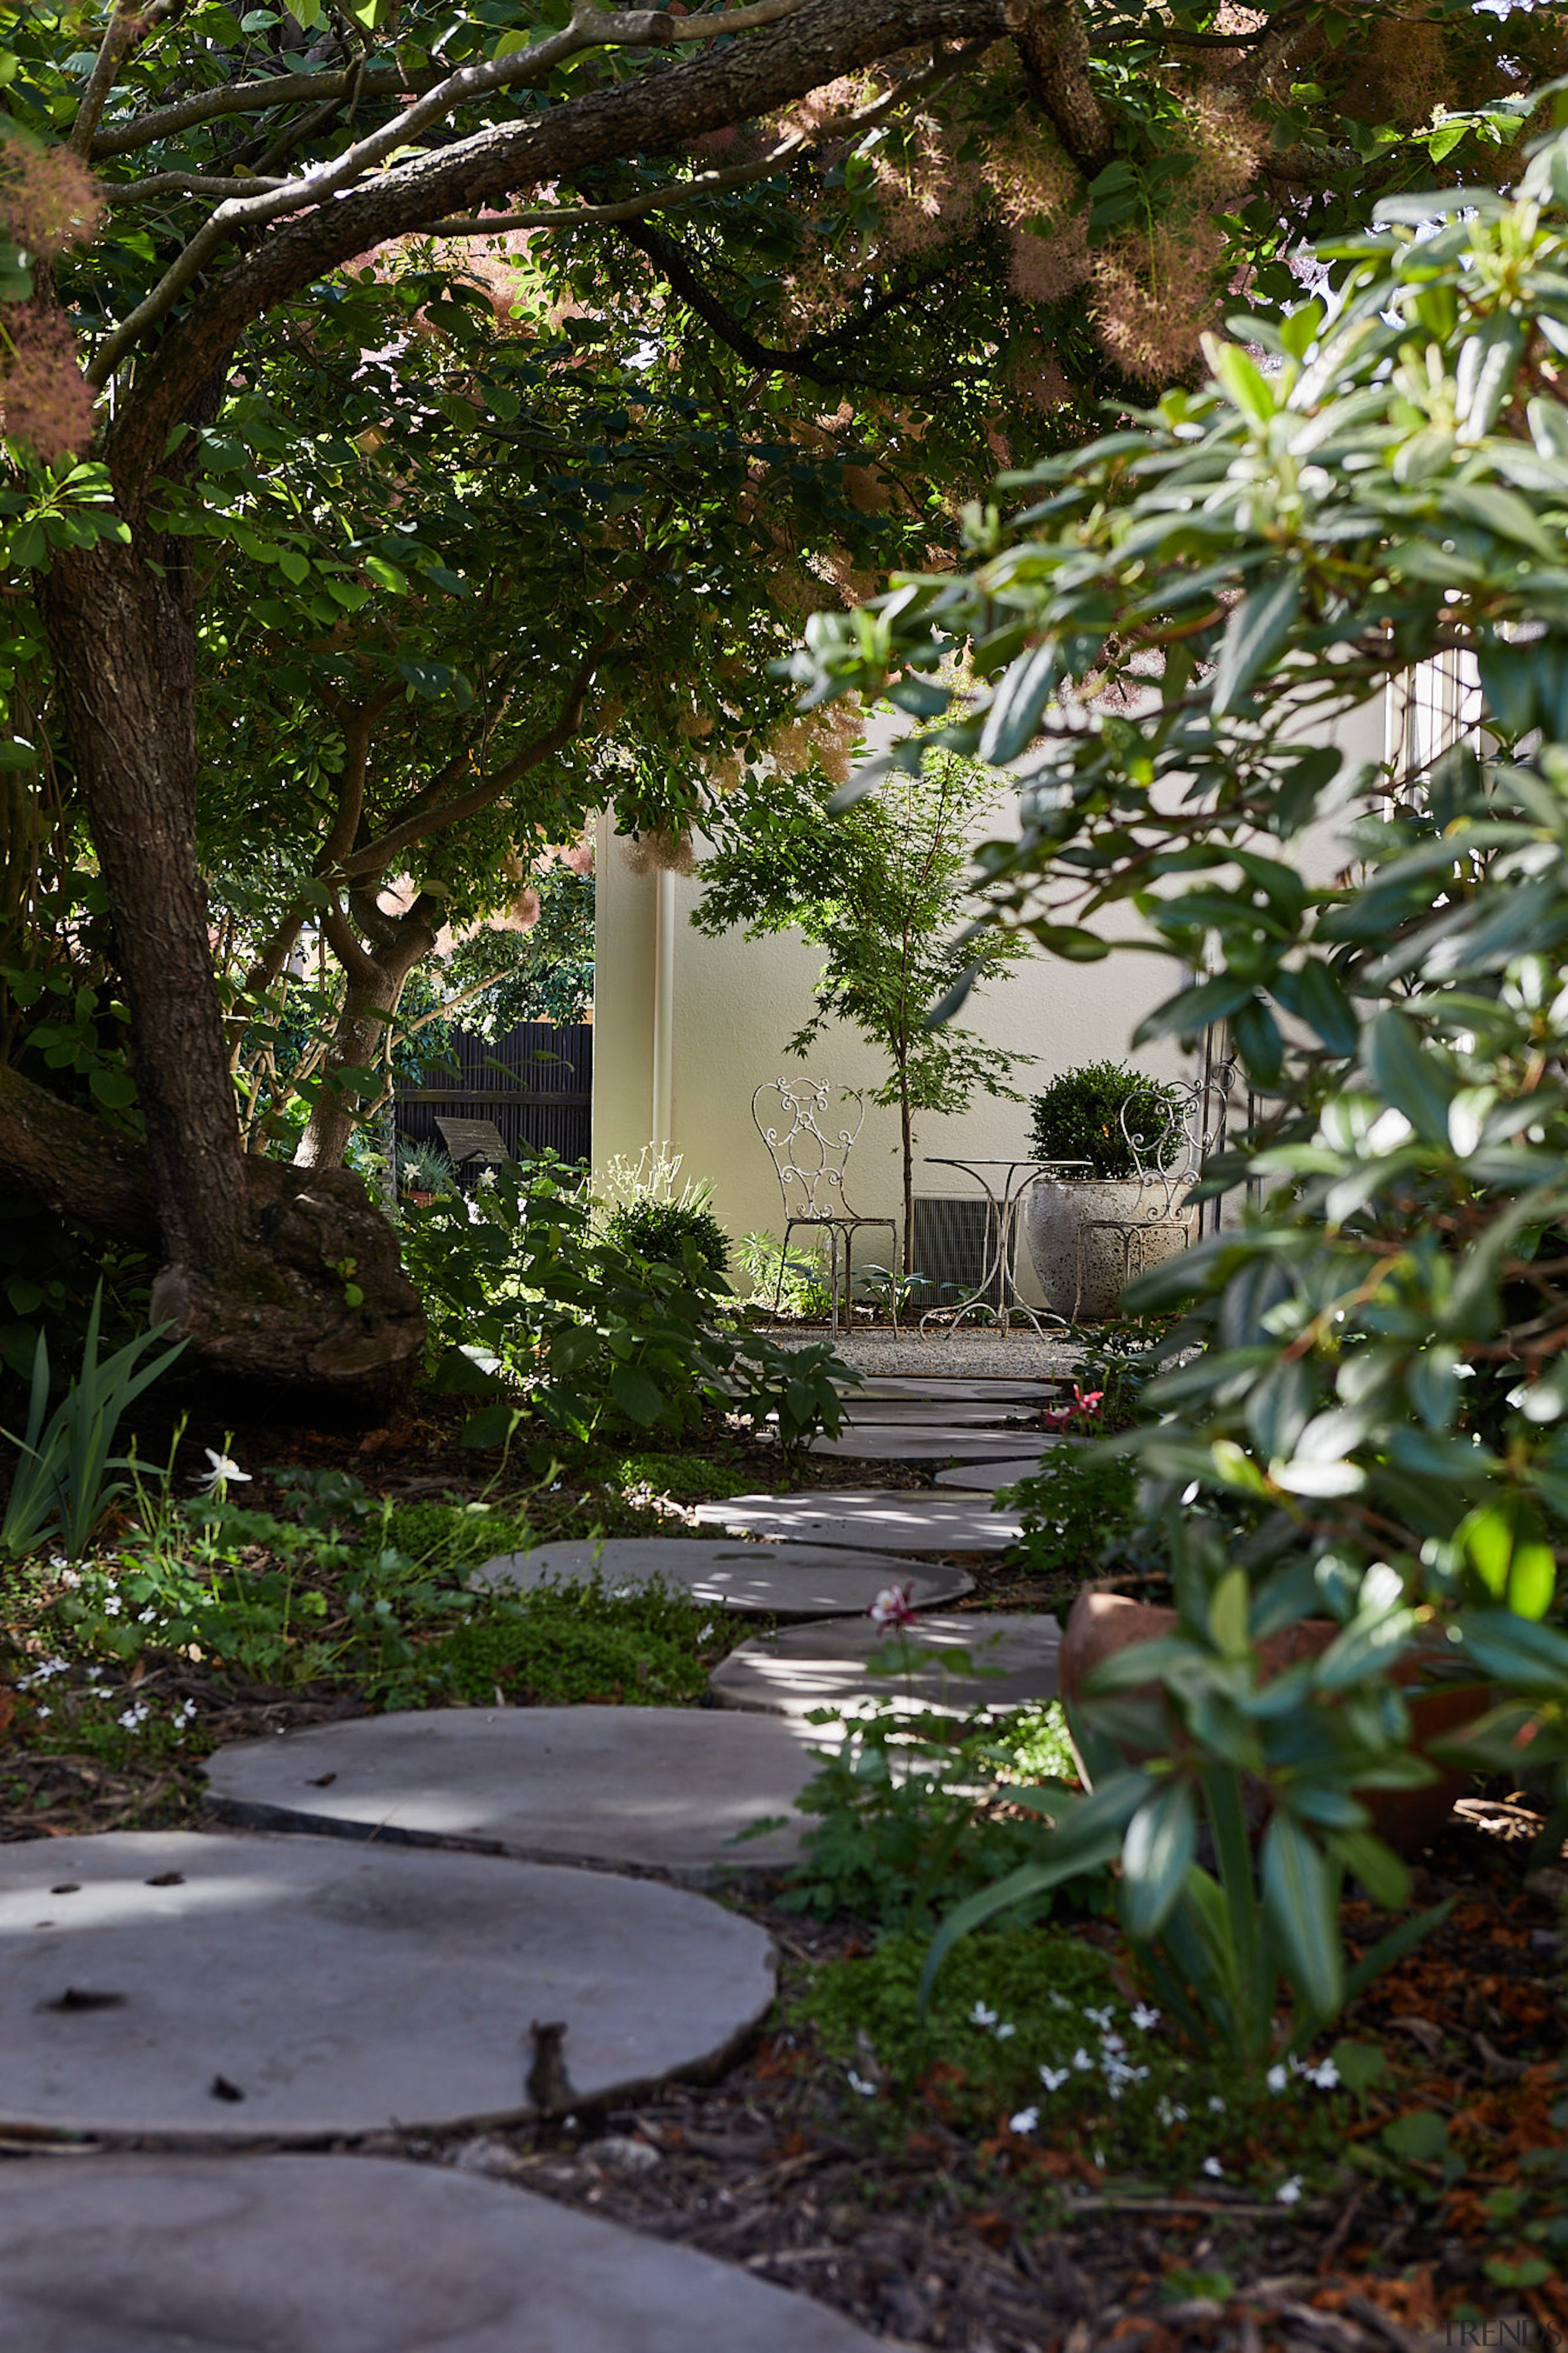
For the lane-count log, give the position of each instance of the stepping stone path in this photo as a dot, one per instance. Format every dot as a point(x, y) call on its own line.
point(351, 2255)
point(873, 1442)
point(663, 1789)
point(867, 1519)
point(176, 1982)
point(252, 1987)
point(784, 1581)
point(807, 1667)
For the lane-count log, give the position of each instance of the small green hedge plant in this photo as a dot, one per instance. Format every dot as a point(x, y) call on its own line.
point(657, 1230)
point(1086, 1114)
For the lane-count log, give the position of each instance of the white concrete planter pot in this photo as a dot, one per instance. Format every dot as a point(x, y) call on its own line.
point(1056, 1213)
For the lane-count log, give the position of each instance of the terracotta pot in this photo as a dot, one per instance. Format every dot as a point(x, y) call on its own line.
point(1100, 1623)
point(1132, 1223)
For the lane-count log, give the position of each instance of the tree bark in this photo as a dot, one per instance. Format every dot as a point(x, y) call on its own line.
point(1052, 45)
point(278, 1317)
point(258, 1258)
point(282, 1319)
point(124, 645)
point(75, 1164)
point(374, 982)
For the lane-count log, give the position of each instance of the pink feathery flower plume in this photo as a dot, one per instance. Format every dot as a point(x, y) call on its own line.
point(892, 1607)
point(44, 398)
point(48, 199)
point(1085, 1404)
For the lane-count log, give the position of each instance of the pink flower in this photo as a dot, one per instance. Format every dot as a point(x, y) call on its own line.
point(47, 200)
point(1045, 269)
point(44, 400)
point(1153, 298)
point(892, 1607)
point(1085, 1405)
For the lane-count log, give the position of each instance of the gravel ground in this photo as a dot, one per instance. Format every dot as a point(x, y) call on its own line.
point(965, 1355)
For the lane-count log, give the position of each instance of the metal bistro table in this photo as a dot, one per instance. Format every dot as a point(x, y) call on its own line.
point(1017, 1179)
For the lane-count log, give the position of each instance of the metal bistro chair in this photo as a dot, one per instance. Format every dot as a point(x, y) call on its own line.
point(1167, 1168)
point(810, 1154)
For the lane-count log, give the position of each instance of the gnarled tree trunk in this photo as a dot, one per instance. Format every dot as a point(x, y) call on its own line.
point(258, 1257)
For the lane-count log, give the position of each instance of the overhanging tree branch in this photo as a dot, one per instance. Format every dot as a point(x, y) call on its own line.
point(769, 359)
point(1053, 45)
point(681, 194)
point(375, 857)
point(270, 90)
point(128, 25)
point(591, 28)
point(75, 1164)
point(737, 81)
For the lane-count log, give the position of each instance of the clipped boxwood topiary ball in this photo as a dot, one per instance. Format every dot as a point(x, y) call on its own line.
point(1080, 1116)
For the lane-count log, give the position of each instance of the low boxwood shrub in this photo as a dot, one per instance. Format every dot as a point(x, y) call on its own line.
point(658, 1230)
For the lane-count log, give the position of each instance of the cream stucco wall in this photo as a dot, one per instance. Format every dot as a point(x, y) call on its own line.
point(734, 1002)
point(722, 1008)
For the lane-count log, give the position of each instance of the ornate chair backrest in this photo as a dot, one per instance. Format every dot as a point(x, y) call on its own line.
point(1169, 1160)
point(807, 1127)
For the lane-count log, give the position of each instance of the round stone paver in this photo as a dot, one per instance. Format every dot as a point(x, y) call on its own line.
point(914, 1389)
point(883, 1442)
point(172, 1982)
point(868, 1519)
point(829, 1666)
point(985, 1478)
point(792, 1581)
point(936, 1413)
point(355, 2254)
point(664, 1788)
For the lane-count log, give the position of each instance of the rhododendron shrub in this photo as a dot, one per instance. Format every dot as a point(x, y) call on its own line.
point(1368, 1379)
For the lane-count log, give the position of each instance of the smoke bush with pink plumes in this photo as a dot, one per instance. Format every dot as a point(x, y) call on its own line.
point(1154, 299)
point(44, 400)
point(48, 199)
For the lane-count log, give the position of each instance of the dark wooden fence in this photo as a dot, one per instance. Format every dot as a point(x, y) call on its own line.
point(536, 1084)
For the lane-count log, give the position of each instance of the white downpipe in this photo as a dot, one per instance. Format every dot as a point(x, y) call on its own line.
point(663, 1009)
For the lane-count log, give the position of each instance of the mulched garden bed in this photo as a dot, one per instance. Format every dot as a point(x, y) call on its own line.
point(997, 2244)
point(993, 2243)
point(1003, 2246)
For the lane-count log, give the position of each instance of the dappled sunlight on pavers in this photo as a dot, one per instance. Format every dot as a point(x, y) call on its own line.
point(886, 1442)
point(777, 1580)
point(997, 1660)
point(171, 1982)
point(876, 1519)
point(662, 1789)
point(351, 2255)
